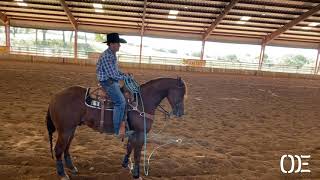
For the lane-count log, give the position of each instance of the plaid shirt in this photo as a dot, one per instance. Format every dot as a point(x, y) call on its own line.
point(107, 67)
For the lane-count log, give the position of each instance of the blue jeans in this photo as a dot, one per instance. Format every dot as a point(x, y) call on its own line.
point(113, 90)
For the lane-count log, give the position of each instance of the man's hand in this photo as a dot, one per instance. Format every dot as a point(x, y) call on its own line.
point(130, 74)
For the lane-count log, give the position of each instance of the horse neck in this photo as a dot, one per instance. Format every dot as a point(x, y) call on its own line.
point(152, 96)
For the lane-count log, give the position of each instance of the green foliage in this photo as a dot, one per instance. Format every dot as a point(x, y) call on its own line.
point(162, 50)
point(232, 58)
point(100, 37)
point(196, 54)
point(266, 59)
point(174, 51)
point(85, 47)
point(297, 61)
point(209, 57)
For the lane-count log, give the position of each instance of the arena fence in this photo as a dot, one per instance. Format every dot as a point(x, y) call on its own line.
point(221, 64)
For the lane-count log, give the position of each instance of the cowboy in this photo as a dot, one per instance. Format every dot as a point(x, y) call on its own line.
point(109, 75)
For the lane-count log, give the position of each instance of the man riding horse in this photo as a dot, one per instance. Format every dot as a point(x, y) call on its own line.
point(109, 75)
point(140, 118)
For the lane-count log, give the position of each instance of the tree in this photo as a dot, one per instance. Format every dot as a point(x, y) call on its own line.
point(162, 50)
point(266, 59)
point(27, 30)
point(232, 58)
point(64, 39)
point(44, 32)
point(209, 57)
point(174, 51)
point(196, 54)
point(71, 37)
point(14, 31)
point(297, 61)
point(100, 37)
point(37, 37)
point(85, 38)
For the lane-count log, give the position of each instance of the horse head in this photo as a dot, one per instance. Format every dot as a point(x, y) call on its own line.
point(176, 96)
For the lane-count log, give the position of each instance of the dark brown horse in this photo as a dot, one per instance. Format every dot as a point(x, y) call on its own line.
point(67, 110)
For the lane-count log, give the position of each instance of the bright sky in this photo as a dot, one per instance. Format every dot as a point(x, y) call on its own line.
point(220, 49)
point(183, 47)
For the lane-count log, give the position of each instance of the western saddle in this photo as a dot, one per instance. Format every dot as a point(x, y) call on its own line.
point(97, 98)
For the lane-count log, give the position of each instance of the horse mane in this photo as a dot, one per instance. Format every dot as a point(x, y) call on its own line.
point(161, 78)
point(150, 82)
point(153, 81)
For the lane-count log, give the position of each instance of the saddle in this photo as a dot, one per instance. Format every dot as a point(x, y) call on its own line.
point(98, 98)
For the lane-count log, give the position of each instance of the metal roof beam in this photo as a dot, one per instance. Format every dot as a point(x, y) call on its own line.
point(219, 18)
point(292, 23)
point(3, 18)
point(69, 14)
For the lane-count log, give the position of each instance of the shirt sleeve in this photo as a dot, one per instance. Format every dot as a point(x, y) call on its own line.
point(109, 67)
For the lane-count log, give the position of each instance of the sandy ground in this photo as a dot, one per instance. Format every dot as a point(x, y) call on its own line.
point(236, 127)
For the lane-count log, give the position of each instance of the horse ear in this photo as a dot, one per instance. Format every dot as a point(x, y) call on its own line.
point(180, 83)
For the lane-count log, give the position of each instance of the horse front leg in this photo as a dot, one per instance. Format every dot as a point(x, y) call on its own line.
point(125, 161)
point(137, 155)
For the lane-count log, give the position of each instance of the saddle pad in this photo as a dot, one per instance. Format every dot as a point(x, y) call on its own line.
point(95, 103)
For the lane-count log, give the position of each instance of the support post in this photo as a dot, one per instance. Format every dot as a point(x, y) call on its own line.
point(140, 55)
point(202, 49)
point(76, 46)
point(316, 69)
point(263, 46)
point(142, 29)
point(7, 32)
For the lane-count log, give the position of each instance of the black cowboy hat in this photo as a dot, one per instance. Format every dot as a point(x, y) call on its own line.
point(114, 38)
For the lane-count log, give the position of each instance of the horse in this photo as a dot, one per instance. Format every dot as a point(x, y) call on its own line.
point(67, 110)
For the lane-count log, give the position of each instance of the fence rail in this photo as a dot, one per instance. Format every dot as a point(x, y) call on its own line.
point(42, 51)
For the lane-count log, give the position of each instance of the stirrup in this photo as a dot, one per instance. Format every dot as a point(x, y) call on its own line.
point(129, 133)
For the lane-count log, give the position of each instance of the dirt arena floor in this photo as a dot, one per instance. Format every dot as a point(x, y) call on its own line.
point(236, 127)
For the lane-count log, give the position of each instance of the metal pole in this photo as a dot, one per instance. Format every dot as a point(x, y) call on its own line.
point(202, 49)
point(140, 55)
point(263, 46)
point(7, 31)
point(76, 46)
point(316, 69)
point(142, 29)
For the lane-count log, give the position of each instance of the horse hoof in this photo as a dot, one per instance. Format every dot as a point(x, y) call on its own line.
point(74, 171)
point(66, 177)
point(124, 166)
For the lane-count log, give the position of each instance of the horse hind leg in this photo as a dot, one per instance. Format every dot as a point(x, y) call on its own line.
point(60, 147)
point(67, 157)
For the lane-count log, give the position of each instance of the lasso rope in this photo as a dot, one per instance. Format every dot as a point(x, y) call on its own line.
point(134, 87)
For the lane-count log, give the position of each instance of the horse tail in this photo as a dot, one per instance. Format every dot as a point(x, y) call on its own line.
point(51, 129)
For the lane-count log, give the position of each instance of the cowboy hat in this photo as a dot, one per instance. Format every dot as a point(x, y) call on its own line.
point(114, 38)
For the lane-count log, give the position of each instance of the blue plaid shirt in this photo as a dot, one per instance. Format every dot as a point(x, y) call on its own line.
point(107, 67)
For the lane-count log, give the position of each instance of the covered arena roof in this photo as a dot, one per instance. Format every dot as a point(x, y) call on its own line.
point(276, 22)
